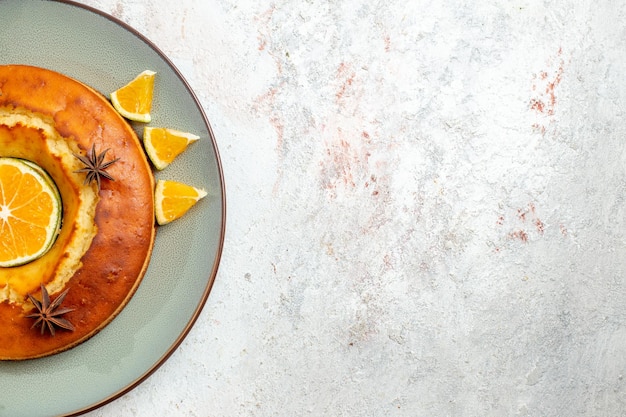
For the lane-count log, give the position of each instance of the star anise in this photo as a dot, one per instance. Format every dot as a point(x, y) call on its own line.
point(48, 312)
point(95, 167)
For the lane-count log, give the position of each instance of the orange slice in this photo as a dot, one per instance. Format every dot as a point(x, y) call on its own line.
point(30, 212)
point(163, 145)
point(173, 199)
point(134, 100)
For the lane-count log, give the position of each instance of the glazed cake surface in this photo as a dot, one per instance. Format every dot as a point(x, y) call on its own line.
point(107, 234)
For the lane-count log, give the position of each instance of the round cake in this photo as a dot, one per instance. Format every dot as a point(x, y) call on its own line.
point(107, 229)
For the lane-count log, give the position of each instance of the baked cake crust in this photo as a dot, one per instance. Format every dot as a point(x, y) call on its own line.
point(116, 261)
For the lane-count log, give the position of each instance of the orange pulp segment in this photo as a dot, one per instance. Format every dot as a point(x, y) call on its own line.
point(173, 199)
point(163, 145)
point(134, 100)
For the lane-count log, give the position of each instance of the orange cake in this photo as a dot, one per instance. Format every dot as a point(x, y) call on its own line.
point(72, 137)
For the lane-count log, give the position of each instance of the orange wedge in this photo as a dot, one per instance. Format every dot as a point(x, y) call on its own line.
point(30, 212)
point(173, 199)
point(163, 145)
point(134, 100)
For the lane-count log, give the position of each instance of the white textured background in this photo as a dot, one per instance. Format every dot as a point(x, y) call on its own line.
point(426, 208)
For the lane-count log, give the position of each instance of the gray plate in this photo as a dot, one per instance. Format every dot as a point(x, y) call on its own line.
point(105, 53)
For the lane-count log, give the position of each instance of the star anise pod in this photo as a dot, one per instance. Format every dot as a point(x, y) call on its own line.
point(95, 167)
point(48, 312)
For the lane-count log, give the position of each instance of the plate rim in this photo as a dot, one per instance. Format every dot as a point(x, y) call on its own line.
point(222, 192)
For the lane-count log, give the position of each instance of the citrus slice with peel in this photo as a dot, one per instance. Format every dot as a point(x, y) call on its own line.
point(163, 145)
point(173, 199)
point(46, 177)
point(30, 212)
point(134, 100)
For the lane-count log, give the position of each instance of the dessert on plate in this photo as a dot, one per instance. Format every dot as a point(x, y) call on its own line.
point(73, 260)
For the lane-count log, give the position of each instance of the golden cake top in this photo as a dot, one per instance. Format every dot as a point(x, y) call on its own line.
point(107, 233)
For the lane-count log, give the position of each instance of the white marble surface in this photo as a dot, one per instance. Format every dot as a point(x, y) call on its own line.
point(425, 208)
